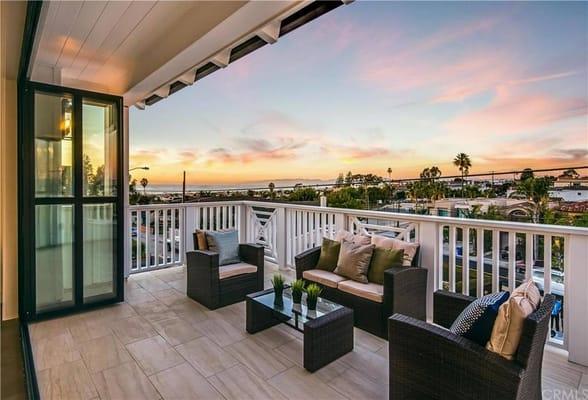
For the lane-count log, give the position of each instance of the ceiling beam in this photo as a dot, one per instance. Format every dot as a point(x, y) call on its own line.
point(271, 32)
point(239, 26)
point(188, 78)
point(222, 58)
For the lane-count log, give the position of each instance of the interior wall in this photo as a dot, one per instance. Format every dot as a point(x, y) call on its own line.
point(12, 15)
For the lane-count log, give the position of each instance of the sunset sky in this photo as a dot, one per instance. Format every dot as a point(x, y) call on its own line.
point(374, 85)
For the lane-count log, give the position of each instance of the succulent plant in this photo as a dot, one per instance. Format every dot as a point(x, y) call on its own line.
point(297, 289)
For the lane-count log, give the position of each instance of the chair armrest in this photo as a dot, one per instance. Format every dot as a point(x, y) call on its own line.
point(427, 361)
point(306, 260)
point(202, 262)
point(202, 277)
point(254, 254)
point(405, 291)
point(251, 254)
point(448, 305)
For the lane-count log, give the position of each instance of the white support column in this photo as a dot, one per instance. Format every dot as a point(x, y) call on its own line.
point(126, 214)
point(243, 223)
point(429, 241)
point(189, 227)
point(340, 222)
point(281, 237)
point(576, 298)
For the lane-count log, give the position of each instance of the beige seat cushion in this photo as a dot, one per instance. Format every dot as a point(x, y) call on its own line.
point(410, 249)
point(323, 277)
point(226, 271)
point(352, 237)
point(370, 291)
point(508, 326)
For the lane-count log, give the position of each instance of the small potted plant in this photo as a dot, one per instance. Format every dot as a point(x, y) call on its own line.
point(297, 289)
point(313, 291)
point(278, 283)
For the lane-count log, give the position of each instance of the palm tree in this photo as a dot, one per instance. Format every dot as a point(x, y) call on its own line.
point(144, 182)
point(271, 187)
point(389, 170)
point(463, 163)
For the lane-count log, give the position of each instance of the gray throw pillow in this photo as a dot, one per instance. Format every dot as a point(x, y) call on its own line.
point(226, 244)
point(354, 261)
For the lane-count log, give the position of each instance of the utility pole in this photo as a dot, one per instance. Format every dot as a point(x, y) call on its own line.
point(184, 188)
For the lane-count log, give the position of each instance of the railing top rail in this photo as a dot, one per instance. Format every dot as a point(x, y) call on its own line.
point(142, 207)
point(474, 223)
point(462, 222)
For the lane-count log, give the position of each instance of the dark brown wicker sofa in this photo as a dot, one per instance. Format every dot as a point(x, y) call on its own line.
point(429, 362)
point(217, 286)
point(404, 291)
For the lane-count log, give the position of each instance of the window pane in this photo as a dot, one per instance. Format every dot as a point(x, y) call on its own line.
point(53, 145)
point(100, 126)
point(99, 249)
point(54, 256)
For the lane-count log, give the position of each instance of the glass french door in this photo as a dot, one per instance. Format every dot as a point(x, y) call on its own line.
point(71, 199)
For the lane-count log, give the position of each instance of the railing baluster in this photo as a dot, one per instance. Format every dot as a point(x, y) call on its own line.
point(512, 262)
point(317, 231)
point(230, 223)
point(440, 256)
point(156, 237)
point(165, 236)
point(452, 238)
point(529, 237)
point(480, 262)
point(465, 260)
point(547, 261)
point(495, 260)
point(181, 236)
point(147, 238)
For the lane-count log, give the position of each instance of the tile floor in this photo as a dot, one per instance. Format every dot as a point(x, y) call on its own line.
point(160, 344)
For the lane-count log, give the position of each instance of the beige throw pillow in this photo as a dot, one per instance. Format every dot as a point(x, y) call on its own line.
point(508, 326)
point(352, 237)
point(354, 261)
point(410, 249)
point(201, 240)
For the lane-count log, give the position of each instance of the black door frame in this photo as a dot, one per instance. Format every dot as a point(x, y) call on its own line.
point(27, 202)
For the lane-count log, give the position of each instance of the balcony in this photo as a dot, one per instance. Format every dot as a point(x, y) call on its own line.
point(160, 343)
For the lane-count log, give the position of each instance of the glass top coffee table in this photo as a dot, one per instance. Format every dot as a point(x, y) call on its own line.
point(328, 330)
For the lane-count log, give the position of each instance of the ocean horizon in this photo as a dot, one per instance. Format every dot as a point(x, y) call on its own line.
point(257, 185)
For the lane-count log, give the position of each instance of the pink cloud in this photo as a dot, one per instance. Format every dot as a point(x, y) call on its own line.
point(511, 113)
point(352, 153)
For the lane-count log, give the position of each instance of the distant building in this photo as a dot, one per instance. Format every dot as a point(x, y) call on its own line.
point(569, 182)
point(569, 193)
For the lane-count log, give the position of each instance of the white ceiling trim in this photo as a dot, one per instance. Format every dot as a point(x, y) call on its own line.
point(235, 29)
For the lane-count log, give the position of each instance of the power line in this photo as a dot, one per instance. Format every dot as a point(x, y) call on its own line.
point(403, 180)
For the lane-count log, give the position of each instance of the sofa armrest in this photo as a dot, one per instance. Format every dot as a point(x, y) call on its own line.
point(306, 260)
point(427, 361)
point(405, 291)
point(254, 254)
point(448, 305)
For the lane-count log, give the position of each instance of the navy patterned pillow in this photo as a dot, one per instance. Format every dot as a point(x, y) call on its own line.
point(476, 321)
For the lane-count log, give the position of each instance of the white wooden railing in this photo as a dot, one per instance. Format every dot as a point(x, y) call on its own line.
point(555, 257)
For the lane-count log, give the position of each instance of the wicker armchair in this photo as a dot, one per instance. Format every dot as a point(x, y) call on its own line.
point(213, 286)
point(429, 362)
point(405, 291)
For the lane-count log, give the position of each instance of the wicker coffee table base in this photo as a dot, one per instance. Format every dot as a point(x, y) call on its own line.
point(325, 339)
